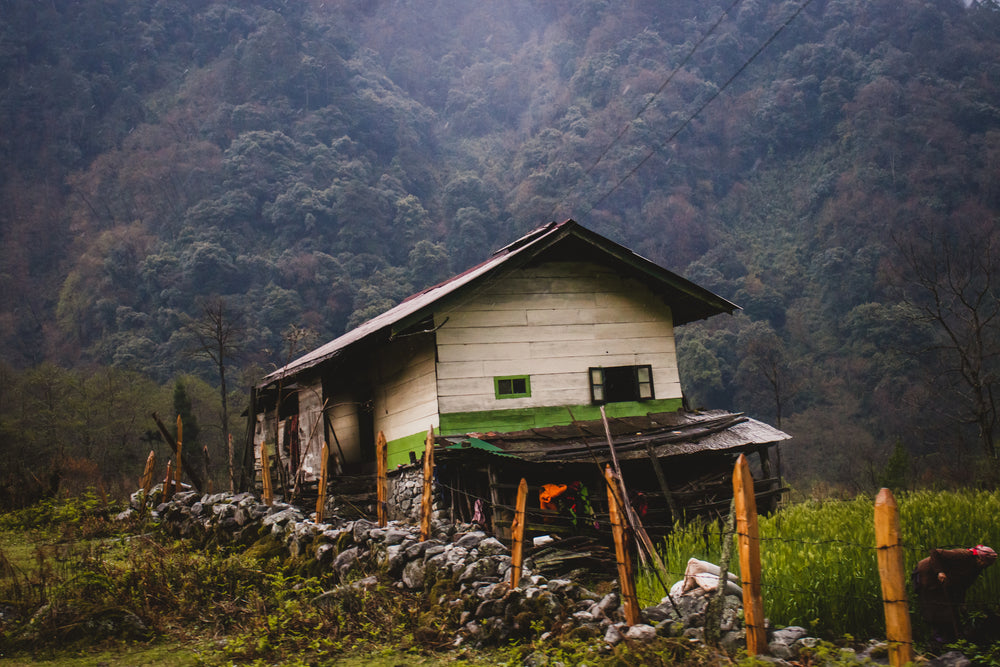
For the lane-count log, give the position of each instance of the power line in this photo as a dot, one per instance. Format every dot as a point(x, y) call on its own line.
point(697, 111)
point(659, 90)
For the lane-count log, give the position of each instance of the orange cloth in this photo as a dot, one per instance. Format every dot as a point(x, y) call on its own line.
point(549, 493)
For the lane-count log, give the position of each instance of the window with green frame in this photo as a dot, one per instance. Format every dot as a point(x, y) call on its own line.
point(512, 386)
point(621, 383)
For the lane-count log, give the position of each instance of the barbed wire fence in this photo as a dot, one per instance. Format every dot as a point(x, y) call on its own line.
point(866, 602)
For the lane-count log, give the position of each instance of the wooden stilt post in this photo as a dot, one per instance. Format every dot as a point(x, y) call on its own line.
point(890, 570)
point(265, 474)
point(626, 575)
point(662, 479)
point(517, 533)
point(748, 537)
point(427, 501)
point(382, 460)
point(324, 457)
point(178, 471)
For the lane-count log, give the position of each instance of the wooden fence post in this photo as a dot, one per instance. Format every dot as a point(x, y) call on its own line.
point(147, 474)
point(265, 474)
point(517, 532)
point(381, 458)
point(427, 500)
point(626, 576)
point(168, 482)
point(748, 535)
point(178, 471)
point(232, 469)
point(890, 570)
point(321, 491)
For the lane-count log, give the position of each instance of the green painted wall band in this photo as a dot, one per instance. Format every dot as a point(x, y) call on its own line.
point(520, 419)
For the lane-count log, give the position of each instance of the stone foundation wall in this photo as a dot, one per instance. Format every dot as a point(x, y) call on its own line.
point(406, 490)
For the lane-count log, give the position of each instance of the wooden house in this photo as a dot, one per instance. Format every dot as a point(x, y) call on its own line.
point(510, 364)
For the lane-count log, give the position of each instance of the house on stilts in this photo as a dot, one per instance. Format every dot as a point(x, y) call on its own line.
point(510, 365)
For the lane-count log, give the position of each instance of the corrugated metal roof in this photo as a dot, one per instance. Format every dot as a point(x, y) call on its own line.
point(669, 434)
point(696, 302)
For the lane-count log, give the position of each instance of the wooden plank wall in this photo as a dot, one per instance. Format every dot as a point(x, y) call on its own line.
point(311, 426)
point(406, 396)
point(552, 322)
point(342, 411)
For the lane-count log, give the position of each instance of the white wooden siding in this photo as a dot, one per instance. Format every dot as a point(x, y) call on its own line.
point(406, 394)
point(311, 427)
point(342, 411)
point(551, 322)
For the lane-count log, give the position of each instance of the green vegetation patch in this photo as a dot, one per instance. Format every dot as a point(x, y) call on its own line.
point(818, 559)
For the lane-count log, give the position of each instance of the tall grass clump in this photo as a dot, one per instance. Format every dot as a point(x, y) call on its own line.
point(818, 559)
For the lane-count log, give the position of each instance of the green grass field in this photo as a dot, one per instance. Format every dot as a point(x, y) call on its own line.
point(818, 559)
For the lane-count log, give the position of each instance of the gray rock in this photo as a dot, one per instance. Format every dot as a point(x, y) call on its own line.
point(345, 560)
point(641, 633)
point(324, 553)
point(137, 500)
point(490, 608)
point(950, 659)
point(471, 540)
point(479, 570)
point(282, 517)
point(361, 530)
point(395, 536)
point(613, 635)
point(733, 641)
point(186, 497)
point(414, 574)
point(491, 546)
point(658, 613)
point(788, 635)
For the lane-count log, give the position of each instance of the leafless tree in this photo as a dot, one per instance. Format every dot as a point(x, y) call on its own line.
point(950, 274)
point(220, 336)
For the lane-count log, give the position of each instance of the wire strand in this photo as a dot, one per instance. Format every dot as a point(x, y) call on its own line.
point(697, 111)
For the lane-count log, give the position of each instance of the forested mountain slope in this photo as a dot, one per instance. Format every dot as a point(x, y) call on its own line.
point(311, 163)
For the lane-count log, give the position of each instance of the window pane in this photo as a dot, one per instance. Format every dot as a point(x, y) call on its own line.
point(596, 376)
point(642, 373)
point(645, 390)
point(504, 387)
point(518, 386)
point(598, 393)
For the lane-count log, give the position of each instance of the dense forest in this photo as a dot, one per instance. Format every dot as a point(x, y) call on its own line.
point(285, 170)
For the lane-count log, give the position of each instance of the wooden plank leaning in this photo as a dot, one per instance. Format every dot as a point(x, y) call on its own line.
point(646, 550)
point(321, 490)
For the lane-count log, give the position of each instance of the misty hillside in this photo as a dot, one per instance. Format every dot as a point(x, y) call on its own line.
point(312, 163)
